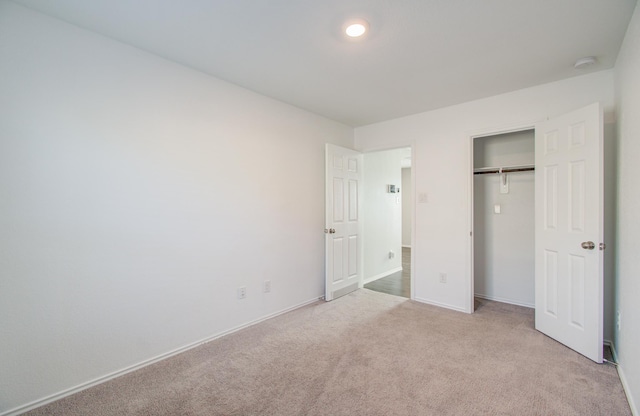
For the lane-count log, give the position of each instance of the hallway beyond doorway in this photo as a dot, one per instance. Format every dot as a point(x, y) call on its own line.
point(399, 283)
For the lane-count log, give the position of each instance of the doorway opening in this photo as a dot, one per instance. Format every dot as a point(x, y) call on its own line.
point(388, 212)
point(504, 218)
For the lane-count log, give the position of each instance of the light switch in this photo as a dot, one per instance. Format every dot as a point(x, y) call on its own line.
point(496, 208)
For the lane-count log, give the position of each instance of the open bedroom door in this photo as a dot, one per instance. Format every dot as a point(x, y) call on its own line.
point(569, 230)
point(343, 232)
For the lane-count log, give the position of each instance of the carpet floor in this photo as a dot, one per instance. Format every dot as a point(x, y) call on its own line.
point(367, 353)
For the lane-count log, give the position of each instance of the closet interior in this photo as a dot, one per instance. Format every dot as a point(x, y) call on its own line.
point(504, 217)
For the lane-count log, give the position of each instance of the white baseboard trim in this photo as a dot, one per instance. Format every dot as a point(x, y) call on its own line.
point(441, 305)
point(623, 379)
point(72, 390)
point(380, 276)
point(627, 391)
point(504, 300)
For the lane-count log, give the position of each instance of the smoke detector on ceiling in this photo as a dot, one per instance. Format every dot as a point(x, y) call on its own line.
point(585, 62)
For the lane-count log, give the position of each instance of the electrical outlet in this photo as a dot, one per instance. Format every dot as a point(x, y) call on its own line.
point(242, 292)
point(618, 320)
point(266, 288)
point(392, 254)
point(443, 278)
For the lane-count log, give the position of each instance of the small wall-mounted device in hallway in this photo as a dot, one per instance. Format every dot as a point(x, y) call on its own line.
point(392, 254)
point(497, 209)
point(266, 288)
point(443, 278)
point(242, 292)
point(392, 189)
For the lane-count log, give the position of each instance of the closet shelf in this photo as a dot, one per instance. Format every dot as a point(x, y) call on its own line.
point(504, 169)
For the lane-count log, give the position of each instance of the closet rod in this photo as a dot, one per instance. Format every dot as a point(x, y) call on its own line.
point(507, 169)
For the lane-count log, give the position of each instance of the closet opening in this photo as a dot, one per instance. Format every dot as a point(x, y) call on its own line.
point(504, 218)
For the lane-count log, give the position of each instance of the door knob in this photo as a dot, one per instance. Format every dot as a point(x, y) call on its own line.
point(588, 245)
point(329, 230)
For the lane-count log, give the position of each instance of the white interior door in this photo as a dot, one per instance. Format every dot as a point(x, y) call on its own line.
point(569, 230)
point(343, 221)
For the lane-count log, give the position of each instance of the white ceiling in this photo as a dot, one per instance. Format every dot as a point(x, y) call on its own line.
point(419, 54)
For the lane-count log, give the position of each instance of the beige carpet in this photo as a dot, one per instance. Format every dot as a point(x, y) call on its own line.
point(367, 354)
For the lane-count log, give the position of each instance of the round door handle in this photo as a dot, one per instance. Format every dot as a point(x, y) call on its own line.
point(588, 245)
point(332, 230)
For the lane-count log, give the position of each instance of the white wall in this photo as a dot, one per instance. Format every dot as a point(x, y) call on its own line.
point(610, 202)
point(627, 338)
point(504, 255)
point(442, 163)
point(137, 195)
point(407, 206)
point(382, 213)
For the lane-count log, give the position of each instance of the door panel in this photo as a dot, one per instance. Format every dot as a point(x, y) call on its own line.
point(569, 277)
point(551, 282)
point(551, 197)
point(344, 226)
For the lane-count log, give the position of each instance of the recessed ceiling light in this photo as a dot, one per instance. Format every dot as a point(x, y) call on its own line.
point(585, 62)
point(356, 28)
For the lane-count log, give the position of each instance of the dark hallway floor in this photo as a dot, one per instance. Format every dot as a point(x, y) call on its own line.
point(399, 283)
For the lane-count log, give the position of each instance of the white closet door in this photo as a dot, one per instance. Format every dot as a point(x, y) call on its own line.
point(569, 230)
